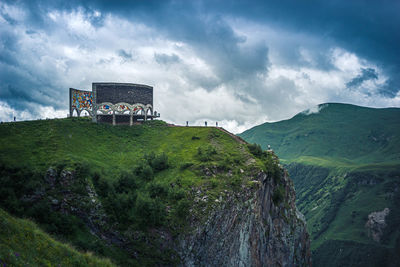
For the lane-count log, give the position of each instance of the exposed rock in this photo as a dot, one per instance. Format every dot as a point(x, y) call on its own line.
point(376, 224)
point(248, 229)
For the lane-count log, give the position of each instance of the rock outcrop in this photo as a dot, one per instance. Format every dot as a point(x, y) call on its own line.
point(376, 223)
point(255, 227)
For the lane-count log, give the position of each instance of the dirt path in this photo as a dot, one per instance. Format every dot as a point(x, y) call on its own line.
point(237, 138)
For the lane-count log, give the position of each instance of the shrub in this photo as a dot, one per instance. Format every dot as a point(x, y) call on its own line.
point(144, 171)
point(272, 168)
point(157, 162)
point(121, 205)
point(104, 187)
point(157, 190)
point(149, 157)
point(176, 194)
point(227, 162)
point(147, 173)
point(149, 212)
point(182, 208)
point(279, 195)
point(160, 162)
point(126, 183)
point(207, 153)
point(236, 180)
point(255, 149)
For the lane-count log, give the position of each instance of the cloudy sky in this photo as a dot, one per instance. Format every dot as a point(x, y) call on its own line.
point(240, 63)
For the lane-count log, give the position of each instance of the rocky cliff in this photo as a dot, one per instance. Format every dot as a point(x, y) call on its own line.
point(257, 225)
point(253, 227)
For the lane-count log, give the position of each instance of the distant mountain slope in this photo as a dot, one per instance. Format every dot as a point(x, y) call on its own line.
point(345, 164)
point(340, 131)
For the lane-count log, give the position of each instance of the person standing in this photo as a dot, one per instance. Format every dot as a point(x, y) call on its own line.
point(205, 123)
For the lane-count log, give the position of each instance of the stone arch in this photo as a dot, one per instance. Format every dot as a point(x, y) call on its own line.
point(76, 112)
point(122, 108)
point(138, 109)
point(149, 110)
point(85, 113)
point(105, 108)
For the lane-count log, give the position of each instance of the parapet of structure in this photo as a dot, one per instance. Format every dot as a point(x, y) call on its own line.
point(116, 103)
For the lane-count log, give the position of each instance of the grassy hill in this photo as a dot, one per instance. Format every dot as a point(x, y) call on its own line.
point(345, 164)
point(120, 192)
point(22, 243)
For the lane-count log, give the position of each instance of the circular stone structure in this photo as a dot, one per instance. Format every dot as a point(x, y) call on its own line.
point(116, 103)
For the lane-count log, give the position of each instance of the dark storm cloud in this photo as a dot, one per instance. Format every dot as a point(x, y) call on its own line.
point(366, 74)
point(305, 34)
point(391, 87)
point(368, 28)
point(220, 46)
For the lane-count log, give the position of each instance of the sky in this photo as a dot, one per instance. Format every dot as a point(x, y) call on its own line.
point(239, 63)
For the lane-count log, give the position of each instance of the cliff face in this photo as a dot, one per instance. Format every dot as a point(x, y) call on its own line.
point(251, 228)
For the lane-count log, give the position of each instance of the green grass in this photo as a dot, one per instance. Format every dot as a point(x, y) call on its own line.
point(44, 143)
point(145, 177)
point(110, 150)
point(331, 156)
point(23, 243)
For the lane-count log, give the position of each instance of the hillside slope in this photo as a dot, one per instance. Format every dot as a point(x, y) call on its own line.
point(341, 132)
point(345, 164)
point(151, 194)
point(22, 243)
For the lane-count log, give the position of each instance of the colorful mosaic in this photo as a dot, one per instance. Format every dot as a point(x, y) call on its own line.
point(81, 100)
point(122, 108)
point(106, 109)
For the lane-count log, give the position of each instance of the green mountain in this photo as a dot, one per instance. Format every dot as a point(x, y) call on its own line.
point(146, 195)
point(345, 164)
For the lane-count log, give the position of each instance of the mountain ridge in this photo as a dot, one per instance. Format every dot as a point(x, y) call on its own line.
point(345, 164)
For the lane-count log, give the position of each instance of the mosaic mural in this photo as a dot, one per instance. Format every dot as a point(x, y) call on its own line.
point(105, 109)
point(122, 108)
point(113, 93)
point(81, 100)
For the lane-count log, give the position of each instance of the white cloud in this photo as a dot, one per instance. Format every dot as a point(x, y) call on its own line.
point(315, 109)
point(7, 113)
point(72, 52)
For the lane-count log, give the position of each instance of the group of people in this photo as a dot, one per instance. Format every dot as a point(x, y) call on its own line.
point(205, 123)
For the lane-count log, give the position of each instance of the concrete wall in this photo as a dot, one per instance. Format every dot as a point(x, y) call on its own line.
point(123, 92)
